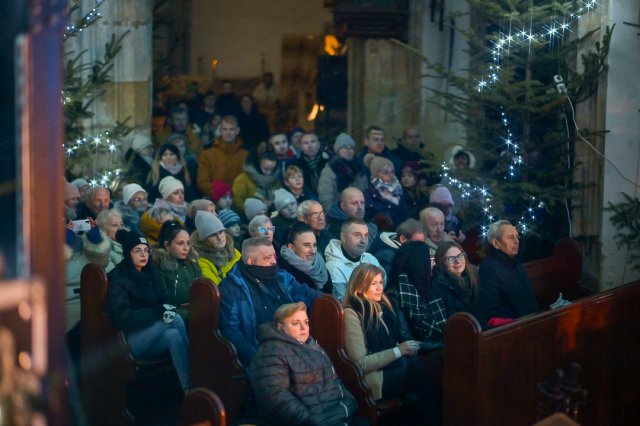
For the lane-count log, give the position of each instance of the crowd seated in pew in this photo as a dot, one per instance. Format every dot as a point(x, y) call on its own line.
point(560, 272)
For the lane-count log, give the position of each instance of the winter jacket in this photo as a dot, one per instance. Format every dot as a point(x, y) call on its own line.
point(214, 273)
point(376, 205)
point(327, 190)
point(384, 248)
point(244, 187)
point(311, 175)
point(445, 287)
point(356, 347)
point(177, 275)
point(302, 277)
point(505, 289)
point(295, 383)
point(238, 321)
point(340, 268)
point(222, 161)
point(134, 302)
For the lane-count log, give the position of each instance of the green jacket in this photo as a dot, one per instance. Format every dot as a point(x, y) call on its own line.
point(177, 276)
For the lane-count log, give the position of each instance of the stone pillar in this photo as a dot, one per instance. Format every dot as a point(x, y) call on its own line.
point(130, 90)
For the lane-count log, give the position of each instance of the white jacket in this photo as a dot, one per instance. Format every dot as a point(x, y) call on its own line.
point(340, 268)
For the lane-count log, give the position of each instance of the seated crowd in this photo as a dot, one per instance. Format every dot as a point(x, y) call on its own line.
point(276, 226)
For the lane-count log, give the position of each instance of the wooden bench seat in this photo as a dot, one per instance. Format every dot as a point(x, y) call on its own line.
point(202, 407)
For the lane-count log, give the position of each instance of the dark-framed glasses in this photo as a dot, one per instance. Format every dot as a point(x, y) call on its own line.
point(453, 259)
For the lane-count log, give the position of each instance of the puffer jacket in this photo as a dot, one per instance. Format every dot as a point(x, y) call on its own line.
point(296, 384)
point(134, 301)
point(238, 321)
point(177, 275)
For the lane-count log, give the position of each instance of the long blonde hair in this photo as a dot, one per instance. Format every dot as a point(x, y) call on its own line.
point(359, 283)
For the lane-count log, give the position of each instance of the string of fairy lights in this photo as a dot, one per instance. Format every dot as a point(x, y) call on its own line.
point(87, 20)
point(524, 38)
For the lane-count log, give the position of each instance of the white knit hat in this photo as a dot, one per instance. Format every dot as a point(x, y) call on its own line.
point(168, 185)
point(282, 198)
point(140, 142)
point(130, 190)
point(208, 224)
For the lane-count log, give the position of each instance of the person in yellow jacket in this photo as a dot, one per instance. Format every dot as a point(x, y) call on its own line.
point(214, 247)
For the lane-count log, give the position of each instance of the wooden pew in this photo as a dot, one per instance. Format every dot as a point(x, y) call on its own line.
point(559, 273)
point(201, 407)
point(490, 378)
point(213, 360)
point(327, 327)
point(108, 370)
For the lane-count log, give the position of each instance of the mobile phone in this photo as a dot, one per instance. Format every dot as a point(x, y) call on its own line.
point(82, 225)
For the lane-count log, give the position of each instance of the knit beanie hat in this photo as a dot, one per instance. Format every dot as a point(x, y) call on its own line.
point(130, 190)
point(95, 242)
point(343, 140)
point(376, 163)
point(282, 198)
point(79, 183)
point(140, 142)
point(253, 206)
point(169, 147)
point(228, 217)
point(219, 189)
point(168, 185)
point(441, 195)
point(208, 224)
point(174, 136)
point(128, 240)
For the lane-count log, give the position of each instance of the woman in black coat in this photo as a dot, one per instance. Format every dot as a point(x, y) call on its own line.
point(136, 305)
point(293, 379)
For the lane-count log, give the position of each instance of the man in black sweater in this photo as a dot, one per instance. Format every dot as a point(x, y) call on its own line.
point(505, 290)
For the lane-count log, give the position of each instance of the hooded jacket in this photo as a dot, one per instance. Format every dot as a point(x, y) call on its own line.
point(340, 268)
point(384, 248)
point(238, 321)
point(296, 384)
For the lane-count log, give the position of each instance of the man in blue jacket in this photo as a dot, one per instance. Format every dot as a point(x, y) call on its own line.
point(251, 293)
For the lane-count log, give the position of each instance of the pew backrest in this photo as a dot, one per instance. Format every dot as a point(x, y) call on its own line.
point(202, 407)
point(213, 360)
point(106, 361)
point(490, 378)
point(559, 273)
point(327, 327)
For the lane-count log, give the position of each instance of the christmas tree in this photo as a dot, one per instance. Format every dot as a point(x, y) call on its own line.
point(97, 156)
point(517, 106)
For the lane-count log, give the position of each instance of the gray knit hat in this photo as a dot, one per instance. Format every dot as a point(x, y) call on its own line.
point(282, 198)
point(208, 224)
point(253, 206)
point(343, 140)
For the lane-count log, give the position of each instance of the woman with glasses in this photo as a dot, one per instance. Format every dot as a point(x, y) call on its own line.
point(216, 253)
point(137, 305)
point(456, 280)
point(292, 378)
point(261, 226)
point(177, 264)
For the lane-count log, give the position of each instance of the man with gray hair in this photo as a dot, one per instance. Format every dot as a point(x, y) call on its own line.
point(433, 221)
point(251, 293)
point(98, 199)
point(312, 213)
point(505, 291)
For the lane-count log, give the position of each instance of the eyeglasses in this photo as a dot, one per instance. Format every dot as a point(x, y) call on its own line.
point(315, 215)
point(453, 259)
point(140, 252)
point(268, 229)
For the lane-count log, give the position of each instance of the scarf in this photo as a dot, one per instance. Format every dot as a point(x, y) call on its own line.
point(346, 171)
point(262, 274)
point(174, 170)
point(262, 181)
point(147, 158)
point(383, 333)
point(391, 192)
point(218, 256)
point(316, 269)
